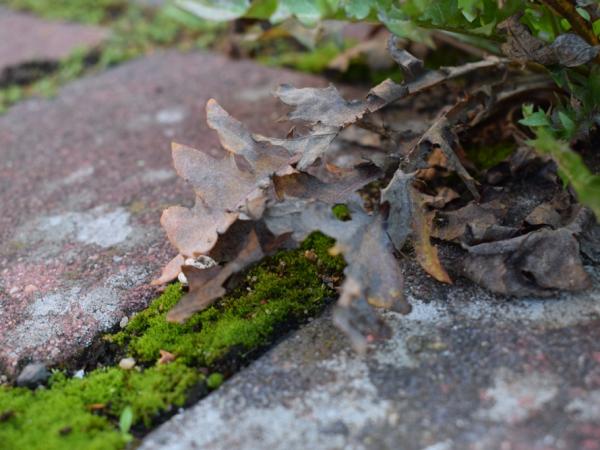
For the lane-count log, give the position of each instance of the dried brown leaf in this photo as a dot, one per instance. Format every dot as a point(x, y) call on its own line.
point(569, 50)
point(388, 91)
point(440, 135)
point(337, 190)
point(206, 285)
point(427, 254)
point(443, 196)
point(170, 271)
point(373, 276)
point(247, 163)
point(308, 148)
point(538, 263)
point(411, 66)
point(454, 225)
point(320, 105)
point(407, 217)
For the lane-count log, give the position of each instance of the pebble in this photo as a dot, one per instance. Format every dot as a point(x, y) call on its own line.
point(79, 374)
point(124, 321)
point(33, 375)
point(127, 363)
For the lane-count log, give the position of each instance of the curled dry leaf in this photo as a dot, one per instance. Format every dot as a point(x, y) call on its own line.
point(373, 276)
point(455, 225)
point(406, 218)
point(257, 194)
point(206, 285)
point(427, 254)
point(325, 106)
point(307, 148)
point(170, 271)
point(536, 263)
point(411, 67)
point(247, 163)
point(569, 50)
point(440, 136)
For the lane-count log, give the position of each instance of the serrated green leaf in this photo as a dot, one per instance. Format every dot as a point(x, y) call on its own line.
point(358, 9)
point(261, 9)
point(536, 119)
point(567, 123)
point(571, 168)
point(216, 10)
point(308, 12)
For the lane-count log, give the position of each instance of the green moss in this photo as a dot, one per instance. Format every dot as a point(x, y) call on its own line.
point(285, 288)
point(214, 380)
point(84, 414)
point(341, 212)
point(488, 156)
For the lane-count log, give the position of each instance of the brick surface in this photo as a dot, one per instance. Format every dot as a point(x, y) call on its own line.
point(25, 38)
point(83, 180)
point(464, 370)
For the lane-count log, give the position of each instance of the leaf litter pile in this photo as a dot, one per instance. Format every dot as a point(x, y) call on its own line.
point(398, 159)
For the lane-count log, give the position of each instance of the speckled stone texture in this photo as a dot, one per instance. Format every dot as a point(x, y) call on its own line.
point(465, 370)
point(83, 180)
point(25, 38)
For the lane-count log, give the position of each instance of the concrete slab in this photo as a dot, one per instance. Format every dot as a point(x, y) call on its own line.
point(83, 181)
point(465, 370)
point(25, 39)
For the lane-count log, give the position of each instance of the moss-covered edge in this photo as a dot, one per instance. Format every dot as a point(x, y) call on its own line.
point(88, 413)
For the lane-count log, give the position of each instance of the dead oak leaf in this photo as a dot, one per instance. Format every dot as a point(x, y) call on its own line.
point(307, 148)
point(454, 226)
point(206, 285)
point(219, 203)
point(320, 105)
point(569, 50)
point(407, 217)
point(538, 263)
point(426, 252)
point(373, 276)
point(440, 136)
point(170, 271)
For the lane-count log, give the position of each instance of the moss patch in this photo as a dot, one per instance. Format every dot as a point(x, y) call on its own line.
point(284, 289)
point(485, 157)
point(83, 414)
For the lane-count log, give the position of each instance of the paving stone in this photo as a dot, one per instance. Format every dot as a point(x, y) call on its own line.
point(25, 38)
point(465, 370)
point(83, 181)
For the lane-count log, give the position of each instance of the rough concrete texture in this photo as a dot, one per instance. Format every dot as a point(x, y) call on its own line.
point(465, 370)
point(25, 38)
point(83, 181)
